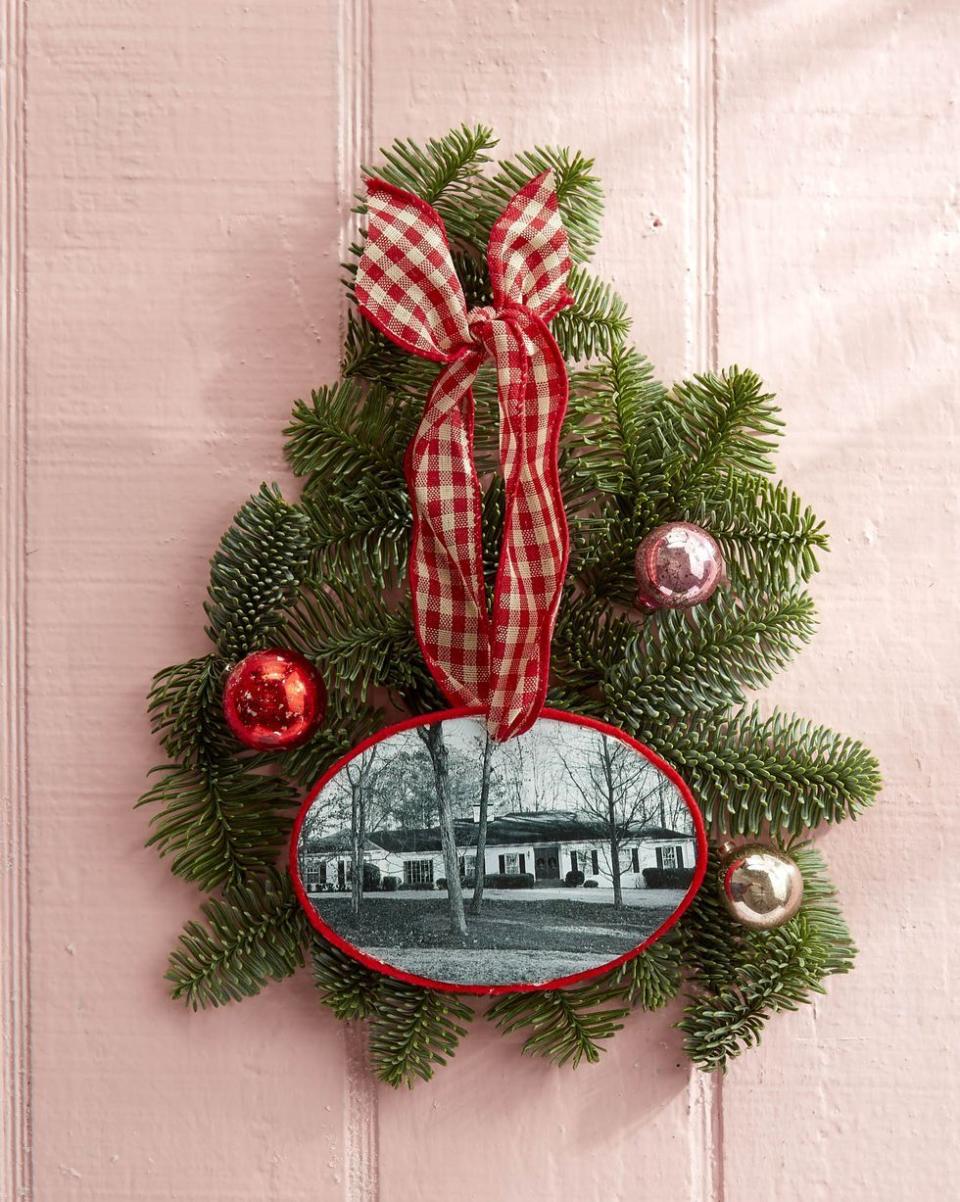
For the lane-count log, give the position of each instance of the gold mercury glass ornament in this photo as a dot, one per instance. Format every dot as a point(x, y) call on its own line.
point(762, 887)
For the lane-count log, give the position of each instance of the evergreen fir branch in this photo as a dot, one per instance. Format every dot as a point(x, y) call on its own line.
point(255, 572)
point(451, 162)
point(445, 173)
point(597, 322)
point(768, 537)
point(348, 437)
point(604, 547)
point(612, 436)
point(185, 710)
point(413, 1030)
point(252, 935)
point(653, 978)
point(370, 355)
point(357, 640)
point(750, 773)
point(566, 1025)
point(221, 823)
point(742, 978)
point(579, 195)
point(679, 662)
point(589, 639)
point(350, 989)
point(367, 537)
point(718, 424)
point(347, 722)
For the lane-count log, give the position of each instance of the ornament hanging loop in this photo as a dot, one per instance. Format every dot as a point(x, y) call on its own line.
point(407, 286)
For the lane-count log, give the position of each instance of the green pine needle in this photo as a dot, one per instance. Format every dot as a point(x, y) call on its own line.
point(357, 640)
point(679, 663)
point(219, 823)
point(566, 1025)
point(252, 935)
point(653, 978)
point(255, 572)
point(750, 773)
point(413, 1030)
point(345, 985)
point(720, 423)
point(446, 173)
point(741, 978)
point(597, 322)
point(186, 712)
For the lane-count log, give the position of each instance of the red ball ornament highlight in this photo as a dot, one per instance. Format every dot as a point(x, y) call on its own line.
point(273, 700)
point(678, 565)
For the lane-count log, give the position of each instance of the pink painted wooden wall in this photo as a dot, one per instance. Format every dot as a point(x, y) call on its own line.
point(783, 192)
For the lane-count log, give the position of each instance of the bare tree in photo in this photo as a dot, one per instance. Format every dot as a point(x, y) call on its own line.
point(358, 772)
point(620, 791)
point(432, 737)
point(477, 904)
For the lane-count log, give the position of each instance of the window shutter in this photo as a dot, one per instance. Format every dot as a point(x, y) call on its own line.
point(679, 857)
point(573, 861)
point(503, 866)
point(635, 859)
point(595, 862)
point(523, 863)
point(659, 857)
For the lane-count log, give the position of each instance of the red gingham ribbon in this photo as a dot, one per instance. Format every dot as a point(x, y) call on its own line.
point(407, 287)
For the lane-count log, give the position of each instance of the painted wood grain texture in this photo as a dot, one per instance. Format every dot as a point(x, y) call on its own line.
point(782, 192)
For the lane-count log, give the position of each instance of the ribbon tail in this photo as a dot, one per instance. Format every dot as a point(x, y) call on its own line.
point(532, 385)
point(446, 555)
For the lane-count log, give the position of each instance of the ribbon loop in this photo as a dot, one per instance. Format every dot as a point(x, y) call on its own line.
point(407, 287)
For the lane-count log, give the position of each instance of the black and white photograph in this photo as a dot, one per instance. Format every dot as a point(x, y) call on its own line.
point(455, 859)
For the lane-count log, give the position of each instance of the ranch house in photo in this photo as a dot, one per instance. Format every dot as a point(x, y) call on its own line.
point(547, 844)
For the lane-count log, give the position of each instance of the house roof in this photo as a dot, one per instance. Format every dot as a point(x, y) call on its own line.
point(506, 830)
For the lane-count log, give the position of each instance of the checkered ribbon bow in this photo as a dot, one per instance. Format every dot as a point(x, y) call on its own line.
point(407, 287)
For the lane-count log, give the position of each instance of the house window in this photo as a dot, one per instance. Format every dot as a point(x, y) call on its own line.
point(670, 857)
point(511, 864)
point(315, 875)
point(418, 872)
point(469, 865)
point(595, 862)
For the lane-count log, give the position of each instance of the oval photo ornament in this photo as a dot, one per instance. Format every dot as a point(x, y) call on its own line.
point(439, 857)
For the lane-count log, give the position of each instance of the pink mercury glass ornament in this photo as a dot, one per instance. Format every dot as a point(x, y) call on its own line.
point(678, 565)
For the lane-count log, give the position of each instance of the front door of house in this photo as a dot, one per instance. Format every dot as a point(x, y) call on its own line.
point(547, 862)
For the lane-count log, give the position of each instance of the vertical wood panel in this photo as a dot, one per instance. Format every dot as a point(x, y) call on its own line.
point(838, 281)
point(183, 253)
point(15, 1136)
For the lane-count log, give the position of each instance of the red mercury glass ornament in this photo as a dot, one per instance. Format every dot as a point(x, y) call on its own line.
point(273, 700)
point(678, 565)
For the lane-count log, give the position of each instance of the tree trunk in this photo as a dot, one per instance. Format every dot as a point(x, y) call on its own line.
point(356, 848)
point(477, 904)
point(433, 738)
point(614, 832)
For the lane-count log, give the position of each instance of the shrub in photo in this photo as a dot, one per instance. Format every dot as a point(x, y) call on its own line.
point(504, 880)
point(574, 877)
point(668, 878)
